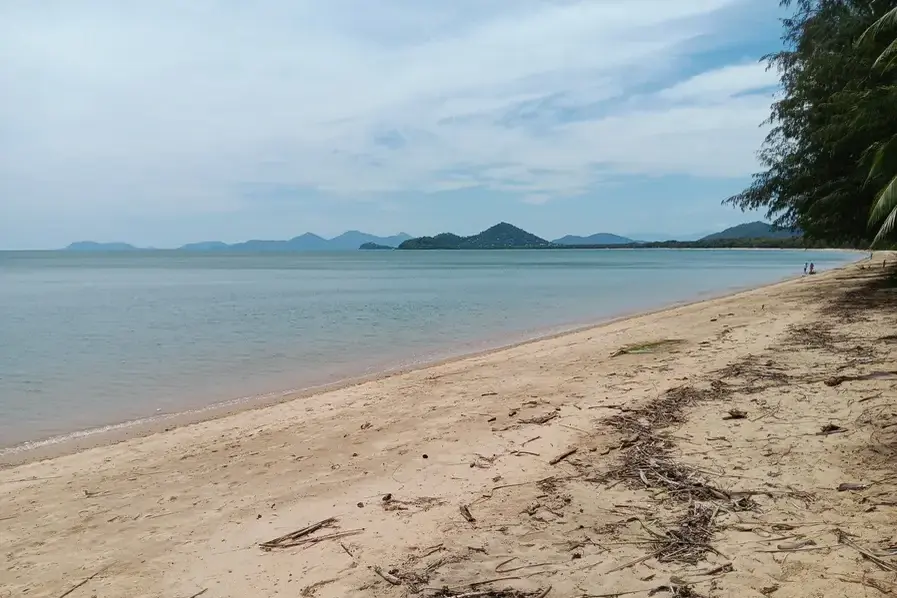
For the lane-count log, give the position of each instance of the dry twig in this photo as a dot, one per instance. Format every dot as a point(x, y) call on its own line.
point(563, 456)
point(465, 511)
point(82, 582)
point(844, 539)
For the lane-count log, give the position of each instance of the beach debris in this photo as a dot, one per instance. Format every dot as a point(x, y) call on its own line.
point(837, 380)
point(674, 590)
point(360, 505)
point(735, 414)
point(769, 590)
point(830, 429)
point(563, 456)
point(309, 590)
point(465, 512)
point(843, 538)
point(469, 591)
point(425, 456)
point(422, 503)
point(540, 419)
point(796, 544)
point(366, 425)
point(500, 568)
point(884, 587)
point(300, 536)
point(648, 347)
point(389, 577)
point(82, 582)
point(845, 486)
point(489, 394)
point(482, 461)
point(518, 453)
point(648, 463)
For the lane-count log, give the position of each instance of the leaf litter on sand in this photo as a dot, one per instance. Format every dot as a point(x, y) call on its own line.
point(647, 463)
point(505, 593)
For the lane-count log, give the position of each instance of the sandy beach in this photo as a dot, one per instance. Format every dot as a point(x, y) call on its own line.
point(737, 447)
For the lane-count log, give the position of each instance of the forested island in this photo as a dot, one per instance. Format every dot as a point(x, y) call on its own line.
point(508, 236)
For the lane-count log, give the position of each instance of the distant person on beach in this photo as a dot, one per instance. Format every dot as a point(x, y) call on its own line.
point(805, 267)
point(812, 268)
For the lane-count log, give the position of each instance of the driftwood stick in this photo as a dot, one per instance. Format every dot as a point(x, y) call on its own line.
point(200, 593)
point(343, 546)
point(317, 539)
point(562, 456)
point(622, 593)
point(482, 583)
point(387, 576)
point(637, 561)
point(309, 529)
point(465, 512)
point(842, 537)
point(81, 583)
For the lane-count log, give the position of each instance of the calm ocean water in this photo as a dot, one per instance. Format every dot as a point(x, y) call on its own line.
point(93, 339)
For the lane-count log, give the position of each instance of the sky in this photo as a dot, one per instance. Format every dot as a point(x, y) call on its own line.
point(165, 122)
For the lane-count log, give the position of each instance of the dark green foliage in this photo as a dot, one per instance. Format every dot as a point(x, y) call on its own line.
point(500, 236)
point(729, 243)
point(835, 109)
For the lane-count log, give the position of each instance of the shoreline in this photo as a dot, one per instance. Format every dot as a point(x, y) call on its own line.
point(110, 434)
point(527, 459)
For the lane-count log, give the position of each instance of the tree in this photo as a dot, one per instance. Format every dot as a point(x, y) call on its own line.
point(834, 106)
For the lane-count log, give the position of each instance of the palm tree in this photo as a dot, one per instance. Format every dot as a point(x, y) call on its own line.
point(884, 163)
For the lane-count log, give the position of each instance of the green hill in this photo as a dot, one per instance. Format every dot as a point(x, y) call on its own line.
point(500, 236)
point(752, 230)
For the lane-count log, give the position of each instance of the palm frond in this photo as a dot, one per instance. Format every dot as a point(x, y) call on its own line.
point(884, 158)
point(885, 210)
point(887, 20)
point(886, 227)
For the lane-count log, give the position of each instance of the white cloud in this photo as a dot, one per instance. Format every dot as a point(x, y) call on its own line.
point(170, 106)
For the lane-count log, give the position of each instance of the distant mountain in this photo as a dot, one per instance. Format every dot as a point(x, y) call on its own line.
point(205, 246)
point(596, 239)
point(752, 230)
point(348, 241)
point(374, 246)
point(354, 239)
point(500, 236)
point(94, 246)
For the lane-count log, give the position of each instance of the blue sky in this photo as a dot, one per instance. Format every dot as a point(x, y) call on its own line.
point(165, 122)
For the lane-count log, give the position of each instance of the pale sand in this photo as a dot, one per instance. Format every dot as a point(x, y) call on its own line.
point(181, 511)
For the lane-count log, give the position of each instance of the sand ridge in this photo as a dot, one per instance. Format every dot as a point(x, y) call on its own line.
point(708, 466)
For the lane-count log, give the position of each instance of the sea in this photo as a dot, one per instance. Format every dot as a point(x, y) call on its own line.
point(93, 340)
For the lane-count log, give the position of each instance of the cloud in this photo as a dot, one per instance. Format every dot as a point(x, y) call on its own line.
point(176, 107)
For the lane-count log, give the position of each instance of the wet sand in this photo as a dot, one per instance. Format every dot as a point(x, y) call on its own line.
point(666, 487)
